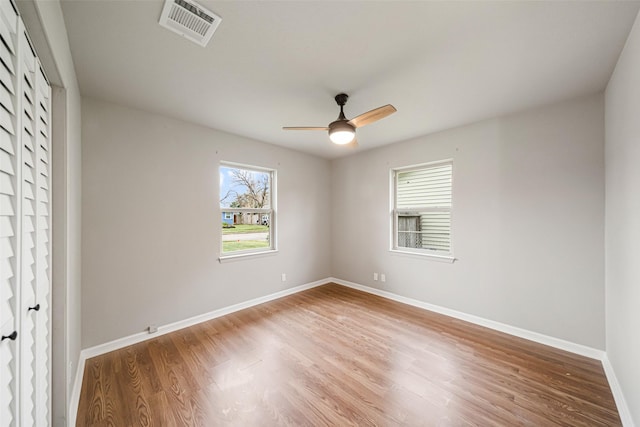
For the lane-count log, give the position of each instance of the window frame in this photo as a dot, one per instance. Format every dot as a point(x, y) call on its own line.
point(271, 211)
point(395, 213)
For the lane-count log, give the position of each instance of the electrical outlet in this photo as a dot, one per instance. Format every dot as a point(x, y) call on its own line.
point(152, 329)
point(375, 276)
point(383, 277)
point(284, 277)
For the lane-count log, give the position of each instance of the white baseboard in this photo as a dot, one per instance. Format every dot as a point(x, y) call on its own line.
point(621, 403)
point(491, 324)
point(593, 353)
point(119, 343)
point(75, 393)
point(569, 346)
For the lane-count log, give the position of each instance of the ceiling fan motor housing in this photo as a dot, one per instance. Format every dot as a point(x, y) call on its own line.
point(341, 131)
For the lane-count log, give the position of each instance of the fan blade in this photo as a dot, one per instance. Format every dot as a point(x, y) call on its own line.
point(373, 115)
point(303, 128)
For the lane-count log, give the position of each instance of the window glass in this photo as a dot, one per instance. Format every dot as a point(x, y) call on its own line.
point(246, 195)
point(422, 208)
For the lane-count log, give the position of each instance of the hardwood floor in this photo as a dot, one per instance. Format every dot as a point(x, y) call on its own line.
point(336, 356)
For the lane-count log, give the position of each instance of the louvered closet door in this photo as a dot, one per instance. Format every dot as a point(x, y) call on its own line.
point(9, 215)
point(25, 285)
point(43, 233)
point(28, 243)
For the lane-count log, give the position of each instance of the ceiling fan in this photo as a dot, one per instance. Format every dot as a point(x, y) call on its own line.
point(343, 131)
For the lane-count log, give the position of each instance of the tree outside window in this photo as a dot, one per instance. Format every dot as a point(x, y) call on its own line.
point(246, 203)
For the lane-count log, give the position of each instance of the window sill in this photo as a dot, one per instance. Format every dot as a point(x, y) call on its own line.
point(238, 257)
point(450, 259)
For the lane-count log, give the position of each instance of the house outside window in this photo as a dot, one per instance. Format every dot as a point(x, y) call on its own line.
point(247, 205)
point(422, 205)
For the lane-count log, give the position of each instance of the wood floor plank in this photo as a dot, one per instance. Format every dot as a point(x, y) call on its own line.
point(337, 356)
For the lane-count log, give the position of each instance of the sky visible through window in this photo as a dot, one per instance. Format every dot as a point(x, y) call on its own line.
point(245, 199)
point(231, 188)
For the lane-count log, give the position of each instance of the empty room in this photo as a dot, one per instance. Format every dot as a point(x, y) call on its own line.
point(270, 213)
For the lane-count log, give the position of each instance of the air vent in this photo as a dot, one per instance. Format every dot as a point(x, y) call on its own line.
point(190, 20)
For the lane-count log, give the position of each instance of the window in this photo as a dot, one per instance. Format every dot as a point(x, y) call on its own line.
point(247, 196)
point(422, 209)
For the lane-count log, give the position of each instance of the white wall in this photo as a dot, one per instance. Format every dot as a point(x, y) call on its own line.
point(45, 24)
point(151, 221)
point(622, 242)
point(527, 221)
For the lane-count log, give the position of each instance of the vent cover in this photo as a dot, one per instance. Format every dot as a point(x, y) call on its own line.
point(190, 20)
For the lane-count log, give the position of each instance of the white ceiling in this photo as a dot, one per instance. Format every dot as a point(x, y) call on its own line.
point(275, 63)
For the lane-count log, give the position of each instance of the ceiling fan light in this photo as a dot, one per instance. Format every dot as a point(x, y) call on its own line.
point(341, 132)
point(341, 137)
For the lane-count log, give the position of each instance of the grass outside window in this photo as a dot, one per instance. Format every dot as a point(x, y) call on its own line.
point(245, 228)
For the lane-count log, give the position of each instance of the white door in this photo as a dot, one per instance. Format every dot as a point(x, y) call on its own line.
point(24, 228)
point(28, 258)
point(9, 211)
point(43, 250)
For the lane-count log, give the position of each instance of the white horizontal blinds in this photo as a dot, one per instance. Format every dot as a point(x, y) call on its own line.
point(423, 207)
point(43, 252)
point(436, 231)
point(9, 211)
point(28, 252)
point(427, 187)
